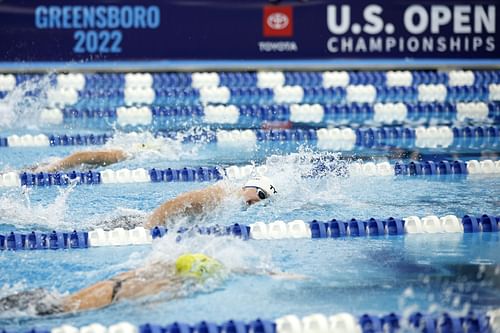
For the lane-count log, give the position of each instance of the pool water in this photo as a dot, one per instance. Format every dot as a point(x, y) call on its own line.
point(414, 272)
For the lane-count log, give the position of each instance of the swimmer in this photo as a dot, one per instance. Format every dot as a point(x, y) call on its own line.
point(174, 277)
point(85, 158)
point(196, 203)
point(95, 158)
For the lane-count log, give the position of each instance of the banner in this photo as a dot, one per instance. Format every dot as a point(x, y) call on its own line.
point(51, 30)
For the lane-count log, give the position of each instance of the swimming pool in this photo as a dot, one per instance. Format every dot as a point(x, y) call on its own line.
point(333, 153)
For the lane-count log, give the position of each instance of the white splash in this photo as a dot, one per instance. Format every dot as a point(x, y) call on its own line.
point(235, 254)
point(22, 106)
point(17, 209)
point(145, 146)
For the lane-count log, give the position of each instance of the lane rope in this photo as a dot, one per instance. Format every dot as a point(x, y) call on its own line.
point(279, 229)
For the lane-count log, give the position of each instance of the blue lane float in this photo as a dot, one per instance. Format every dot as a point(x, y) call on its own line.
point(251, 78)
point(315, 229)
point(468, 136)
point(186, 174)
point(444, 322)
point(208, 174)
point(332, 102)
point(36, 240)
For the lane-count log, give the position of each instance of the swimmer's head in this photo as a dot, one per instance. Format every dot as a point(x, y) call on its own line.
point(197, 265)
point(257, 189)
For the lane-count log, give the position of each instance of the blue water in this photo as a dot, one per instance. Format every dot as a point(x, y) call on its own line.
point(452, 272)
point(440, 272)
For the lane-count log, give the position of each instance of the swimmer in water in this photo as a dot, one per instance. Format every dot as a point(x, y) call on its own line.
point(103, 157)
point(85, 158)
point(174, 277)
point(202, 201)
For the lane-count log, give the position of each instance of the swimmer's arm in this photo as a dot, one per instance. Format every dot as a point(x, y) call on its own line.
point(191, 203)
point(98, 157)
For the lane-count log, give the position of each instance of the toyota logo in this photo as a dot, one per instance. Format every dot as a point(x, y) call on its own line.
point(278, 21)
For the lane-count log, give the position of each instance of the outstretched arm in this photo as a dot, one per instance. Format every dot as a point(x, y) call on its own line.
point(190, 203)
point(98, 158)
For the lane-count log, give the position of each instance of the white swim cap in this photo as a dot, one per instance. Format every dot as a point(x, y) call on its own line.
point(264, 183)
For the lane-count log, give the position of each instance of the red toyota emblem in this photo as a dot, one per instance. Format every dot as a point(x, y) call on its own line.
point(278, 21)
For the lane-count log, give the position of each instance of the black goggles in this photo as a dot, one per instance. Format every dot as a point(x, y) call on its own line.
point(261, 194)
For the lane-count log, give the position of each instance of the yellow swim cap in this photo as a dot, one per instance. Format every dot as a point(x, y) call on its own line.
point(197, 265)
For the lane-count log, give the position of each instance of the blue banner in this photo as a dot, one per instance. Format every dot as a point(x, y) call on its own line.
point(47, 30)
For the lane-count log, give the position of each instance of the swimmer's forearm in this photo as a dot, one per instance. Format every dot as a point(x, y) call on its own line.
point(102, 158)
